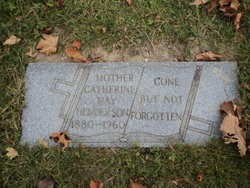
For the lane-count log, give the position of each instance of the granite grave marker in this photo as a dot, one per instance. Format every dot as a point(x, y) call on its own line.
point(127, 104)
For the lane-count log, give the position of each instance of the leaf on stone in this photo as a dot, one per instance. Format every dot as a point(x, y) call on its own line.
point(129, 2)
point(11, 153)
point(199, 176)
point(48, 44)
point(95, 184)
point(208, 56)
point(212, 6)
point(75, 54)
point(62, 138)
point(32, 53)
point(43, 143)
point(199, 2)
point(136, 183)
point(233, 133)
point(47, 183)
point(11, 40)
point(237, 20)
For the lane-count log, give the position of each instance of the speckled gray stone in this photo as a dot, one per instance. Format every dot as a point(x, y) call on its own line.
point(127, 104)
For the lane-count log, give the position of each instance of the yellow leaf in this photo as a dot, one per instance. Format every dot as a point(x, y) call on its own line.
point(48, 44)
point(43, 143)
point(75, 54)
point(12, 40)
point(11, 153)
point(199, 2)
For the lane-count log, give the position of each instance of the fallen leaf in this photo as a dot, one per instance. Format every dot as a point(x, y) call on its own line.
point(199, 2)
point(199, 176)
point(247, 86)
point(212, 6)
point(129, 2)
point(48, 44)
point(43, 143)
point(46, 183)
point(104, 29)
point(237, 20)
point(11, 41)
point(32, 53)
point(233, 133)
point(75, 54)
point(136, 183)
point(11, 153)
point(95, 184)
point(62, 138)
point(47, 30)
point(60, 3)
point(224, 2)
point(235, 4)
point(176, 181)
point(228, 107)
point(208, 56)
point(77, 44)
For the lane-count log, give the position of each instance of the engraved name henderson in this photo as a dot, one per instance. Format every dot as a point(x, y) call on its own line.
point(146, 103)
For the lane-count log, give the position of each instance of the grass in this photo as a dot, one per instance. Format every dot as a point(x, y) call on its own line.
point(145, 22)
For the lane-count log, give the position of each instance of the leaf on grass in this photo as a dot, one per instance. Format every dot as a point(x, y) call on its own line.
point(136, 183)
point(11, 41)
point(208, 56)
point(176, 181)
point(212, 6)
point(247, 86)
point(32, 53)
point(43, 143)
point(199, 2)
point(62, 138)
point(228, 107)
point(225, 2)
point(129, 2)
point(77, 44)
point(48, 44)
point(47, 183)
point(238, 19)
point(199, 176)
point(47, 30)
point(75, 54)
point(95, 184)
point(233, 133)
point(11, 153)
point(235, 4)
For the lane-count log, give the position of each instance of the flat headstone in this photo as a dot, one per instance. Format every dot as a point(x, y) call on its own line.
point(127, 104)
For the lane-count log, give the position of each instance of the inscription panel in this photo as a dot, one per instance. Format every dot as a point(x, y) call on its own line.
point(127, 104)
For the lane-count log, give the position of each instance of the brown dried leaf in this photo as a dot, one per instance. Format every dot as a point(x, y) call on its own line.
point(43, 143)
point(238, 19)
point(47, 30)
point(232, 133)
point(11, 153)
point(136, 183)
point(176, 181)
point(247, 86)
point(199, 176)
point(11, 41)
point(208, 56)
point(48, 44)
point(32, 53)
point(95, 184)
point(77, 44)
point(224, 2)
point(129, 2)
point(235, 4)
point(62, 138)
point(198, 2)
point(46, 183)
point(212, 6)
point(228, 107)
point(75, 54)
